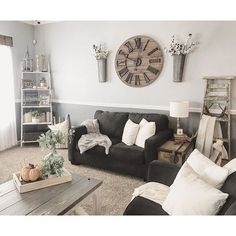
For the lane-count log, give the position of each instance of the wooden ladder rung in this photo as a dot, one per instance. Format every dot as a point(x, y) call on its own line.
point(225, 140)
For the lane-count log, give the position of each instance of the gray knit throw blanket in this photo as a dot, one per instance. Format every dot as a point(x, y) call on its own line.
point(88, 141)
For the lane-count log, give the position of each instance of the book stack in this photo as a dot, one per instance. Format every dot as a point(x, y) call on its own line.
point(180, 138)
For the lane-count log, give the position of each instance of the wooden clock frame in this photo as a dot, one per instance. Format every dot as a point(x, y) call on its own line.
point(139, 61)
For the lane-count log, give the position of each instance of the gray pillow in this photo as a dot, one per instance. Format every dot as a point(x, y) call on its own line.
point(91, 125)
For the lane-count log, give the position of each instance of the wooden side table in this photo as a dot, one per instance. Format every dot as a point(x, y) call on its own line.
point(176, 151)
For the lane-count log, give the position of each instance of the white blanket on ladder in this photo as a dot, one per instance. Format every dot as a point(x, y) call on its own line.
point(208, 129)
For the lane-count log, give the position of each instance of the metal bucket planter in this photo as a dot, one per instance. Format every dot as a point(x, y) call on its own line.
point(102, 67)
point(178, 67)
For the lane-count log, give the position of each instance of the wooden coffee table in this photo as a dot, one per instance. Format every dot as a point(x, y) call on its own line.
point(57, 200)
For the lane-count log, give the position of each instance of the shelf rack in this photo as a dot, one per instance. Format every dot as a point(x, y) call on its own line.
point(30, 131)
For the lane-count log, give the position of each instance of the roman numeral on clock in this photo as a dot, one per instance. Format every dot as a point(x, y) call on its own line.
point(129, 46)
point(153, 50)
point(146, 45)
point(129, 78)
point(121, 63)
point(123, 71)
point(156, 60)
point(123, 53)
point(147, 80)
point(138, 43)
point(153, 70)
point(137, 80)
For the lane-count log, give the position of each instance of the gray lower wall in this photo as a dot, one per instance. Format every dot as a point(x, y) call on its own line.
point(79, 113)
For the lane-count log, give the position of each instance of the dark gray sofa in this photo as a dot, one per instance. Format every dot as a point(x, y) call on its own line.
point(130, 160)
point(165, 173)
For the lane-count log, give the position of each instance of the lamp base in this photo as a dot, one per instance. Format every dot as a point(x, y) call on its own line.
point(180, 131)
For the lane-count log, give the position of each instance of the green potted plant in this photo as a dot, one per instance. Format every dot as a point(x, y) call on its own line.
point(52, 164)
point(35, 116)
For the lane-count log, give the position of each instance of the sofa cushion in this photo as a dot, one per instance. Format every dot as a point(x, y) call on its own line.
point(206, 169)
point(130, 133)
point(230, 188)
point(115, 140)
point(132, 155)
point(144, 206)
point(111, 123)
point(160, 120)
point(190, 195)
point(146, 130)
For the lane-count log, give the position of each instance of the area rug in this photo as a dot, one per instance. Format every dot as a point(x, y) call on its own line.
point(116, 189)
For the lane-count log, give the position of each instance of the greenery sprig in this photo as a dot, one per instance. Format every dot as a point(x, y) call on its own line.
point(100, 52)
point(177, 48)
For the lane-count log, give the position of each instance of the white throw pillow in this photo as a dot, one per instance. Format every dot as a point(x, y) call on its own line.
point(91, 125)
point(190, 195)
point(207, 169)
point(62, 127)
point(231, 166)
point(130, 132)
point(146, 130)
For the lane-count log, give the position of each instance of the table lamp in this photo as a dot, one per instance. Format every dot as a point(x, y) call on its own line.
point(179, 109)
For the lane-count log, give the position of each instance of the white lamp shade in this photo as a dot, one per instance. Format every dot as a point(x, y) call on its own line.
point(179, 109)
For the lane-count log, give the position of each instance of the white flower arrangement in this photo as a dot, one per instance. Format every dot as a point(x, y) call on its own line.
point(176, 48)
point(100, 52)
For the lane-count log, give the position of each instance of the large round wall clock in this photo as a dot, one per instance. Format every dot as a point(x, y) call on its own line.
point(139, 61)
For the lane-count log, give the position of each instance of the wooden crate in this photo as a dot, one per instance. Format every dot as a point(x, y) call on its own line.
point(27, 187)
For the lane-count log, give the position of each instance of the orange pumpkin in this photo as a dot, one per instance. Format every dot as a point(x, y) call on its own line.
point(25, 173)
point(30, 173)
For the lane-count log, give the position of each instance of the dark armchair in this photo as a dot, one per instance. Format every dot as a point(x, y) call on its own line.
point(165, 173)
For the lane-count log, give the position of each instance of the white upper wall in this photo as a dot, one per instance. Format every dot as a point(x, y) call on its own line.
point(74, 69)
point(23, 35)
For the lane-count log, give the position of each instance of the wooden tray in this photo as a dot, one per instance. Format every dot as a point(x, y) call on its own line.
point(26, 187)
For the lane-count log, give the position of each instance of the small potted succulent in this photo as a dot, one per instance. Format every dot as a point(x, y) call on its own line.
point(35, 116)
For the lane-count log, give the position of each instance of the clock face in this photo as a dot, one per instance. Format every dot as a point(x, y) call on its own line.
point(139, 61)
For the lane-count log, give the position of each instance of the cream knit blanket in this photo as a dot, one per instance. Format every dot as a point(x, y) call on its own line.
point(208, 128)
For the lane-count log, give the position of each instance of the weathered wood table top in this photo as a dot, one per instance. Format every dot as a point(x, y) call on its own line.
point(55, 200)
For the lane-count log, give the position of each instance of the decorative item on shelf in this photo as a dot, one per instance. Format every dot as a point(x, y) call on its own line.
point(44, 99)
point(41, 63)
point(44, 63)
point(179, 110)
point(28, 84)
point(101, 55)
point(43, 117)
point(37, 63)
point(27, 117)
point(27, 64)
point(179, 52)
point(31, 98)
point(42, 82)
point(48, 116)
point(35, 116)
